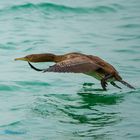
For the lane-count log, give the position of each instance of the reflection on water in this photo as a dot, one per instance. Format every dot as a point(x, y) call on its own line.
point(96, 96)
point(96, 99)
point(87, 112)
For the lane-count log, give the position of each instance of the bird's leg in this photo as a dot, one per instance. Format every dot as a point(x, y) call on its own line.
point(103, 81)
point(114, 84)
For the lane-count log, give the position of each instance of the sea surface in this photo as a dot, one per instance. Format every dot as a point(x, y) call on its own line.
point(52, 106)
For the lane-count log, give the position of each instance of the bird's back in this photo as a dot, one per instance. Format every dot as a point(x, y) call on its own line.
point(106, 67)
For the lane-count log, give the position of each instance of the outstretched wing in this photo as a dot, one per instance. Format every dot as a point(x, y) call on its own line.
point(75, 65)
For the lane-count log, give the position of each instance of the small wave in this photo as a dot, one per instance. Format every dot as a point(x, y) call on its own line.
point(50, 7)
point(32, 83)
point(62, 8)
point(130, 26)
point(136, 59)
point(127, 51)
point(6, 47)
point(4, 87)
point(23, 6)
point(11, 132)
point(11, 124)
point(6, 129)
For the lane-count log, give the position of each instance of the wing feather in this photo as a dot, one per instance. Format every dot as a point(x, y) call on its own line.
point(73, 66)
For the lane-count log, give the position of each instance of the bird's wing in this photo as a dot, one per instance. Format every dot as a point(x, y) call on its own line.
point(103, 64)
point(75, 65)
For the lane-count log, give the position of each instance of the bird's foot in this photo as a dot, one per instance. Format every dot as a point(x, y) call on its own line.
point(104, 84)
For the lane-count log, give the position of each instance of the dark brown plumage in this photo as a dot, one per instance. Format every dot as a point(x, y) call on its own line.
point(78, 63)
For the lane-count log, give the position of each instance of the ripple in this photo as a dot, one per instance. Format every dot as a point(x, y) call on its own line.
point(7, 47)
point(62, 8)
point(128, 51)
point(32, 83)
point(7, 131)
point(136, 59)
point(5, 87)
point(96, 99)
point(11, 132)
point(130, 26)
point(31, 108)
point(88, 114)
point(80, 110)
point(11, 124)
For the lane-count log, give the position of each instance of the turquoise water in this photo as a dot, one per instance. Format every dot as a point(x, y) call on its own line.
point(47, 106)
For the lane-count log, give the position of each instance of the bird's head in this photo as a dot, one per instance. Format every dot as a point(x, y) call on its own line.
point(46, 57)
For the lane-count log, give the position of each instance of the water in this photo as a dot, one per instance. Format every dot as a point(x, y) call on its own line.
point(46, 106)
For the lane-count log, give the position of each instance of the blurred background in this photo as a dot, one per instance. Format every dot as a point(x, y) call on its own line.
point(44, 106)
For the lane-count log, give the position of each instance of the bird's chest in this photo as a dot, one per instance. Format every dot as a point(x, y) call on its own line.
point(96, 75)
point(99, 76)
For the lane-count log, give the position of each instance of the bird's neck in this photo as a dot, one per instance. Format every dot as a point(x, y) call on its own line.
point(51, 58)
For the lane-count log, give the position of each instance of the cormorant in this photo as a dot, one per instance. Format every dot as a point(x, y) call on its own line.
point(79, 63)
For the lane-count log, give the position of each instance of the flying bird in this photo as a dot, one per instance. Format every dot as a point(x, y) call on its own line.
point(79, 63)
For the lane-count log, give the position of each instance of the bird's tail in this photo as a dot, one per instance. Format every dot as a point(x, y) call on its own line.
point(36, 69)
point(126, 84)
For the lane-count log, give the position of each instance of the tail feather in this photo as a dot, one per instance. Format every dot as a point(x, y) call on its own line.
point(126, 84)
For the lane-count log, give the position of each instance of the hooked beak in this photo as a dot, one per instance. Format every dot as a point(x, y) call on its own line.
point(21, 58)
